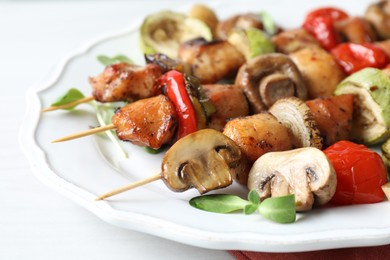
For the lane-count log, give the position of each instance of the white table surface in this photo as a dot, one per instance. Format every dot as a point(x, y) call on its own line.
point(35, 221)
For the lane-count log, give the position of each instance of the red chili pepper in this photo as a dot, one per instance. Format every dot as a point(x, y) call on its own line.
point(353, 57)
point(319, 23)
point(176, 91)
point(360, 173)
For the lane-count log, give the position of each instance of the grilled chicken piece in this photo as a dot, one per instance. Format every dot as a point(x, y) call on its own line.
point(210, 61)
point(256, 135)
point(125, 82)
point(229, 102)
point(147, 122)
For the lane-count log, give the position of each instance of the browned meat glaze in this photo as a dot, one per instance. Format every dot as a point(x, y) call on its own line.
point(229, 102)
point(148, 122)
point(210, 61)
point(125, 82)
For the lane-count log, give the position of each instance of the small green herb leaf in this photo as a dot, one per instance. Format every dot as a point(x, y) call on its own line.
point(219, 203)
point(279, 209)
point(250, 208)
point(70, 96)
point(105, 60)
point(268, 23)
point(253, 197)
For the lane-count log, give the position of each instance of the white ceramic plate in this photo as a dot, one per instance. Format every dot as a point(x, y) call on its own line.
point(85, 168)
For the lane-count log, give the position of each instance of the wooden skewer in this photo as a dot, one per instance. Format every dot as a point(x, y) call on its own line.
point(130, 186)
point(71, 104)
point(84, 133)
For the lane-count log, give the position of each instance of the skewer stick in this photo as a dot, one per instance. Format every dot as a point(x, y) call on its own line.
point(84, 133)
point(130, 186)
point(71, 104)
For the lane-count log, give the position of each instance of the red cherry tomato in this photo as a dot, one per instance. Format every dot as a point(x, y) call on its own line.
point(175, 89)
point(320, 24)
point(353, 57)
point(360, 173)
point(334, 13)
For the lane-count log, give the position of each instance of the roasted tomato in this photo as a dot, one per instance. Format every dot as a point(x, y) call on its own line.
point(360, 173)
point(353, 57)
point(320, 24)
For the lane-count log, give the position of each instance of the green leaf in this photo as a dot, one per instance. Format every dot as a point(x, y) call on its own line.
point(70, 96)
point(268, 23)
point(279, 209)
point(250, 208)
point(219, 203)
point(105, 60)
point(253, 197)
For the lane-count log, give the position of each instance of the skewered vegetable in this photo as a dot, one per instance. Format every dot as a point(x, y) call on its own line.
point(251, 42)
point(353, 57)
point(371, 120)
point(211, 167)
point(320, 24)
point(305, 172)
point(360, 173)
point(205, 160)
point(385, 148)
point(162, 32)
point(268, 78)
point(297, 117)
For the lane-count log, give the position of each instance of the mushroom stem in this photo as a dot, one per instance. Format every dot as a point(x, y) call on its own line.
point(129, 186)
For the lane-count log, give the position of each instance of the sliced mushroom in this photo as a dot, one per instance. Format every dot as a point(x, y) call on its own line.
point(378, 14)
point(257, 135)
point(261, 88)
point(306, 172)
point(205, 160)
point(319, 70)
point(293, 113)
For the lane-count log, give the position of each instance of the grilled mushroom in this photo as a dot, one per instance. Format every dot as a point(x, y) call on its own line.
point(268, 78)
point(305, 172)
point(379, 16)
point(205, 160)
point(297, 116)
